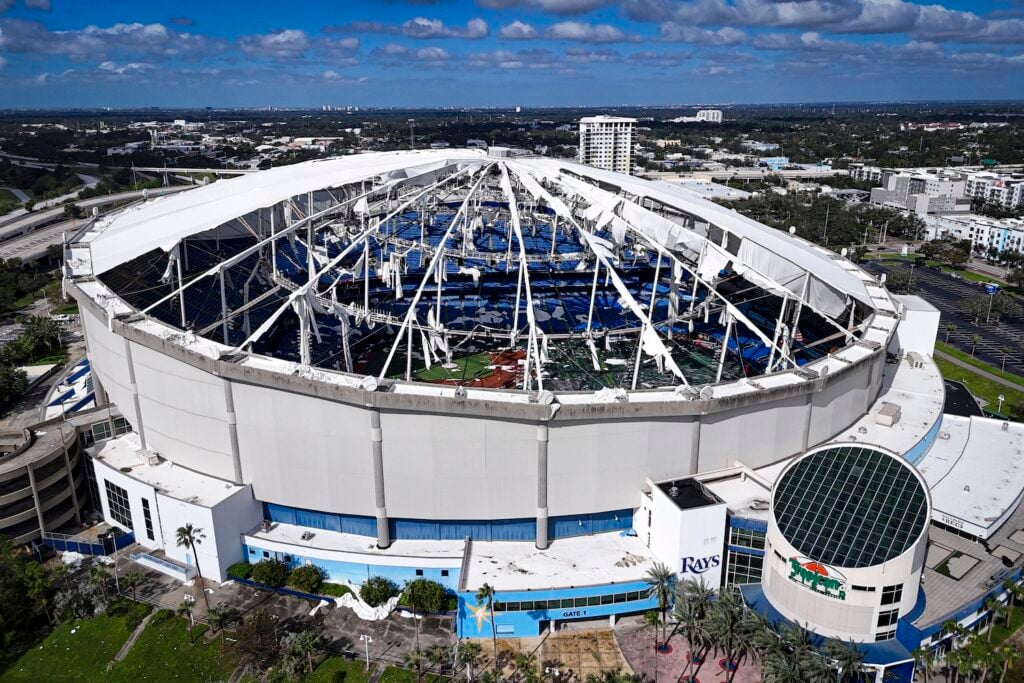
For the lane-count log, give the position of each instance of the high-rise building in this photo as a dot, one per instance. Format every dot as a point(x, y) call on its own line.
point(607, 142)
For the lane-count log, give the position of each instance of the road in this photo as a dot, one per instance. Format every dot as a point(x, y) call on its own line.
point(20, 195)
point(946, 293)
point(26, 224)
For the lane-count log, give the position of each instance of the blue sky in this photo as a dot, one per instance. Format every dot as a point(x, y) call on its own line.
point(436, 53)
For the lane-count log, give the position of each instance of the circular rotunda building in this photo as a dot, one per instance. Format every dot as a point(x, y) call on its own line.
point(846, 541)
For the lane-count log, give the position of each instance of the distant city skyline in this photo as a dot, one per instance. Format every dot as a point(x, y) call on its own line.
point(496, 53)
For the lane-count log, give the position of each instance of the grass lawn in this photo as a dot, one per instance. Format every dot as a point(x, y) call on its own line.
point(984, 388)
point(394, 674)
point(338, 669)
point(163, 653)
point(76, 651)
point(7, 197)
point(1000, 632)
point(468, 368)
point(966, 357)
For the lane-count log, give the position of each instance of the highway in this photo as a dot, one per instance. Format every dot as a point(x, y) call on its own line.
point(29, 236)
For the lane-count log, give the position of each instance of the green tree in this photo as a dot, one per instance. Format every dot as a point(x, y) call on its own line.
point(950, 329)
point(417, 662)
point(306, 645)
point(257, 638)
point(486, 594)
point(975, 340)
point(132, 580)
point(308, 578)
point(469, 655)
point(660, 586)
point(189, 537)
point(848, 659)
point(924, 660)
point(270, 572)
point(728, 628)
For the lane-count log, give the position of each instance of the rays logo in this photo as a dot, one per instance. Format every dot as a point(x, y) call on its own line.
point(699, 565)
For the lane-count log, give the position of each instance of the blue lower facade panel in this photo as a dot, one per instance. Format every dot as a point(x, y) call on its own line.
point(520, 614)
point(358, 572)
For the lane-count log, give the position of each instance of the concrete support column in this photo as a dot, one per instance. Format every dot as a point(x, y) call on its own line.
point(377, 445)
point(71, 483)
point(229, 409)
point(806, 436)
point(542, 487)
point(694, 465)
point(35, 498)
point(139, 428)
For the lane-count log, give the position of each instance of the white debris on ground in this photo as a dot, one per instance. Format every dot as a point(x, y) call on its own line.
point(320, 605)
point(363, 610)
point(71, 558)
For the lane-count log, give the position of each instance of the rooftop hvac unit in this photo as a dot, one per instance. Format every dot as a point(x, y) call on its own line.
point(915, 359)
point(888, 415)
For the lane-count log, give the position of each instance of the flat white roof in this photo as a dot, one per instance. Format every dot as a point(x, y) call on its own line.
point(976, 474)
point(582, 561)
point(167, 478)
point(745, 492)
point(334, 545)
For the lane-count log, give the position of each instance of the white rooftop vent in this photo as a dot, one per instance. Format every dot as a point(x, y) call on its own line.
point(915, 359)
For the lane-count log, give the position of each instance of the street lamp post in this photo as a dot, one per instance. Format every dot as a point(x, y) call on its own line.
point(991, 296)
point(366, 641)
point(1001, 399)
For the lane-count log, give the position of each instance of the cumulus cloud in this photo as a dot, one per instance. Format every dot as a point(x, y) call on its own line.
point(533, 59)
point(284, 44)
point(421, 27)
point(683, 33)
point(418, 27)
point(565, 7)
point(20, 36)
point(518, 30)
point(394, 54)
point(588, 33)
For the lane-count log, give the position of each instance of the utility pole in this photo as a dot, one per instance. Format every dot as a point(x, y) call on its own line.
point(412, 133)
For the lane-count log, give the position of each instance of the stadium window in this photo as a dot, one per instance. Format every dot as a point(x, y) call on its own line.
point(121, 426)
point(580, 602)
point(148, 519)
point(101, 431)
point(892, 594)
point(888, 617)
point(866, 589)
point(419, 572)
point(567, 602)
point(886, 635)
point(632, 596)
point(117, 501)
point(444, 572)
point(594, 600)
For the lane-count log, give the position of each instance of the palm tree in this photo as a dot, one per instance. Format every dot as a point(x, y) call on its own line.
point(185, 610)
point(924, 659)
point(469, 655)
point(1013, 592)
point(437, 655)
point(651, 618)
point(308, 644)
point(1008, 655)
point(690, 616)
point(526, 667)
point(132, 580)
point(997, 610)
point(661, 581)
point(486, 593)
point(975, 340)
point(950, 329)
point(417, 662)
point(847, 658)
point(727, 628)
point(1006, 351)
point(219, 619)
point(189, 537)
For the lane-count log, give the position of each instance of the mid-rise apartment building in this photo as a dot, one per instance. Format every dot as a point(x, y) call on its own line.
point(607, 142)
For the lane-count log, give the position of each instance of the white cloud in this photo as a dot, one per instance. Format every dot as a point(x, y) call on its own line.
point(518, 30)
point(564, 7)
point(588, 33)
point(683, 33)
point(421, 27)
point(282, 45)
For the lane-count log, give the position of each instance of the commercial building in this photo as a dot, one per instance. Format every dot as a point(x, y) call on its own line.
point(984, 233)
point(521, 372)
point(1000, 189)
point(923, 191)
point(607, 142)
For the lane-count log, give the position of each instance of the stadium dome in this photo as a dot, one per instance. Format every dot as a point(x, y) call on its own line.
point(481, 271)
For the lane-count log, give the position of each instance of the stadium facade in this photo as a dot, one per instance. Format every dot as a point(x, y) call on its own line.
point(488, 369)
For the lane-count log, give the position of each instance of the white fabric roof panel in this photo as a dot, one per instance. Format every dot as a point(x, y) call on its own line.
point(163, 222)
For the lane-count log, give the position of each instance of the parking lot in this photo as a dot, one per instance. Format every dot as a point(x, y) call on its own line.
point(946, 293)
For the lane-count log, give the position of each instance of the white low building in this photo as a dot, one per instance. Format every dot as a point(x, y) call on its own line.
point(1004, 234)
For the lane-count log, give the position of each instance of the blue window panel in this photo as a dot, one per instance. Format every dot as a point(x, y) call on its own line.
point(317, 520)
point(279, 513)
point(569, 525)
point(414, 530)
point(615, 520)
point(358, 525)
point(458, 530)
point(513, 530)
